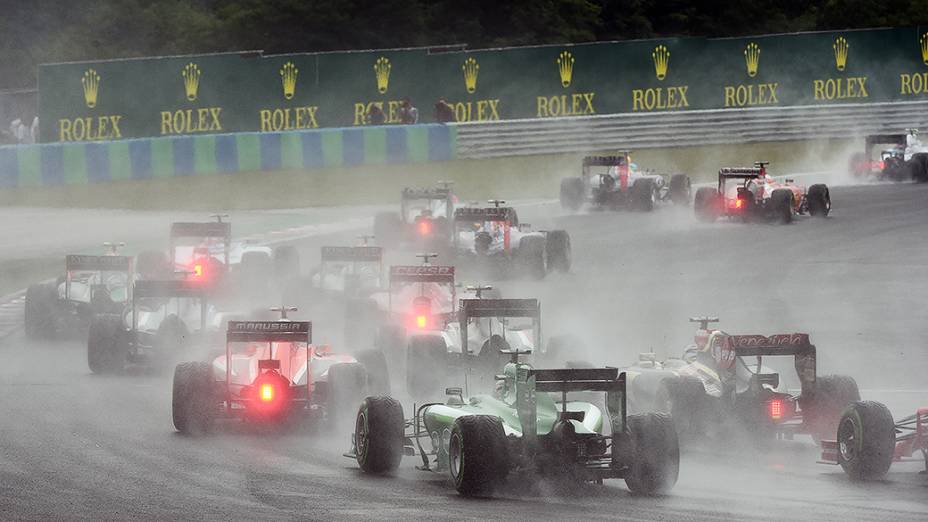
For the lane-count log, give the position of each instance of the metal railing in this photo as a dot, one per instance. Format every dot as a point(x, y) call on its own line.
point(682, 128)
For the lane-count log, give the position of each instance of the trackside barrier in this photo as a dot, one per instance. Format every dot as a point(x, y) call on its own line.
point(100, 162)
point(686, 128)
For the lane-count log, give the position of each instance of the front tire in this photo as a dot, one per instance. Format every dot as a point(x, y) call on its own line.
point(478, 458)
point(866, 440)
point(707, 204)
point(644, 194)
point(781, 206)
point(822, 411)
point(379, 433)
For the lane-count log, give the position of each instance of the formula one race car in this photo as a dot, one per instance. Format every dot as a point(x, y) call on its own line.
point(349, 272)
point(905, 159)
point(91, 285)
point(207, 252)
point(868, 441)
point(722, 385)
point(622, 185)
point(529, 427)
point(750, 195)
point(271, 373)
point(423, 221)
point(495, 242)
point(162, 320)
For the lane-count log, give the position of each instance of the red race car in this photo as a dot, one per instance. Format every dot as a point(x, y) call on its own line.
point(868, 441)
point(750, 195)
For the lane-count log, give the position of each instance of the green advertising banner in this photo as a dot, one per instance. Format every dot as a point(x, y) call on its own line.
point(250, 92)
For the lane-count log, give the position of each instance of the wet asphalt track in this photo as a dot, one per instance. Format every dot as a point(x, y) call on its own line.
point(78, 446)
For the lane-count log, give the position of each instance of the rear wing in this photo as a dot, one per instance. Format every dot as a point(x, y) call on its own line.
point(578, 379)
point(171, 288)
point(426, 193)
point(209, 229)
point(895, 139)
point(741, 172)
point(422, 274)
point(499, 308)
point(270, 331)
point(795, 344)
point(605, 161)
point(482, 214)
point(355, 253)
point(75, 262)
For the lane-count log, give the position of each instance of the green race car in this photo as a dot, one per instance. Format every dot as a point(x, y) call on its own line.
point(533, 424)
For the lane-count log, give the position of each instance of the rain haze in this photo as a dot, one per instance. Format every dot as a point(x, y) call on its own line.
point(438, 260)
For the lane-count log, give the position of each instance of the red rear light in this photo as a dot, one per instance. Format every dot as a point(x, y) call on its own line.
point(882, 165)
point(775, 409)
point(198, 270)
point(421, 321)
point(267, 392)
point(425, 227)
point(739, 203)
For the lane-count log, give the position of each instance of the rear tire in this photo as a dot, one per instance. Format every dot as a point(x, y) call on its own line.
point(345, 389)
point(106, 350)
point(39, 314)
point(781, 206)
point(478, 458)
point(819, 200)
point(375, 366)
point(558, 248)
point(822, 411)
point(644, 194)
point(531, 257)
point(193, 402)
point(656, 460)
point(380, 429)
point(866, 440)
point(425, 363)
point(571, 195)
point(707, 204)
point(681, 189)
point(919, 167)
point(682, 398)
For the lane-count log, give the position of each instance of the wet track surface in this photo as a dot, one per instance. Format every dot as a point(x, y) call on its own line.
point(79, 446)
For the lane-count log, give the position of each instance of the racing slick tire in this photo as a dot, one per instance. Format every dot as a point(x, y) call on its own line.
point(531, 257)
point(387, 228)
point(707, 204)
point(681, 189)
point(919, 167)
point(153, 265)
point(822, 411)
point(106, 351)
point(557, 245)
point(655, 464)
point(171, 340)
point(375, 366)
point(571, 195)
point(819, 200)
point(866, 440)
point(478, 459)
point(193, 400)
point(683, 398)
point(425, 363)
point(644, 194)
point(345, 389)
point(781, 206)
point(379, 433)
point(286, 263)
point(39, 314)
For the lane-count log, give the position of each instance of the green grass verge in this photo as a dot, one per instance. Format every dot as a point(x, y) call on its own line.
point(517, 177)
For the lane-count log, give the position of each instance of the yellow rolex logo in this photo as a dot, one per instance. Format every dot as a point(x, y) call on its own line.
point(382, 72)
point(91, 85)
point(661, 57)
point(191, 74)
point(288, 75)
point(565, 65)
point(752, 58)
point(470, 68)
point(841, 47)
point(924, 42)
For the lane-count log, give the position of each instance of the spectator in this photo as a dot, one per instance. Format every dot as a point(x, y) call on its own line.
point(17, 130)
point(409, 115)
point(34, 130)
point(375, 115)
point(444, 112)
